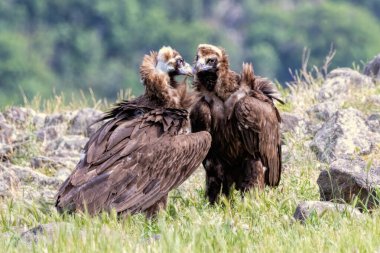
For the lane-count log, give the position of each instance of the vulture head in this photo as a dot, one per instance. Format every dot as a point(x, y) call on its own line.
point(212, 71)
point(171, 62)
point(210, 59)
point(158, 72)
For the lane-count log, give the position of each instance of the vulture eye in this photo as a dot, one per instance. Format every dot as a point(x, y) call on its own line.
point(211, 61)
point(180, 61)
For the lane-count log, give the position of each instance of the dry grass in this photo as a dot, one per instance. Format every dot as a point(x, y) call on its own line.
point(261, 222)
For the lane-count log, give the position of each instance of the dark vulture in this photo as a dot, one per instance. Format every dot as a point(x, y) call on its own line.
point(239, 112)
point(143, 150)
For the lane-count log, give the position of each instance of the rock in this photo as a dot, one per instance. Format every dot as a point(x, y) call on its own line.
point(82, 121)
point(29, 184)
point(307, 208)
point(7, 133)
point(29, 176)
point(339, 81)
point(351, 76)
point(323, 111)
point(312, 127)
point(345, 133)
point(39, 120)
point(55, 119)
point(42, 161)
point(372, 68)
point(373, 122)
point(289, 122)
point(18, 115)
point(374, 100)
point(47, 134)
point(49, 230)
point(2, 118)
point(350, 178)
point(68, 143)
point(9, 183)
point(8, 150)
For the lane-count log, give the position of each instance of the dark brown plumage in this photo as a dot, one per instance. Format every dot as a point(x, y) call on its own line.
point(239, 112)
point(143, 151)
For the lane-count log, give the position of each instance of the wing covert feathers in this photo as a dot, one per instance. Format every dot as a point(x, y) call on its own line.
point(260, 131)
point(132, 163)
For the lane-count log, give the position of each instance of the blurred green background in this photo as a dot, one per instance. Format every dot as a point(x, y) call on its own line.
point(53, 46)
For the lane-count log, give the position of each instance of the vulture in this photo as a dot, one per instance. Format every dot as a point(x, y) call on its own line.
point(144, 148)
point(238, 111)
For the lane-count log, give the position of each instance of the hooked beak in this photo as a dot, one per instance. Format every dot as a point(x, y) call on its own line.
point(200, 67)
point(186, 69)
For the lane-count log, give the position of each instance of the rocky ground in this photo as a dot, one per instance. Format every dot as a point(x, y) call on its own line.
point(335, 117)
point(342, 121)
point(38, 151)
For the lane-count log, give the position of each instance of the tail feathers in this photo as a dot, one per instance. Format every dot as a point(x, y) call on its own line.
point(258, 83)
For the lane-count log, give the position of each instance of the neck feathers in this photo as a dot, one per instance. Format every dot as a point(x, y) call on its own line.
point(228, 80)
point(158, 84)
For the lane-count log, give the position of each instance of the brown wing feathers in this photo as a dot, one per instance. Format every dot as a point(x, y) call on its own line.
point(114, 175)
point(246, 129)
point(259, 120)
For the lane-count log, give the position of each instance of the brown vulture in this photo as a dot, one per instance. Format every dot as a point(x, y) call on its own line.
point(239, 113)
point(143, 150)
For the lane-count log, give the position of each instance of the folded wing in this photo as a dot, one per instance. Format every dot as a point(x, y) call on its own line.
point(132, 162)
point(259, 126)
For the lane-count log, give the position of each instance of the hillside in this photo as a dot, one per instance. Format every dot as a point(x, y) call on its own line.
point(52, 46)
point(331, 151)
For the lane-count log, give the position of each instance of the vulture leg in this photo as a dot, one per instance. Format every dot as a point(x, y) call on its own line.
point(214, 179)
point(253, 175)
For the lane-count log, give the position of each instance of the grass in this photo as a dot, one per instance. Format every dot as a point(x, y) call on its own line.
point(62, 102)
point(261, 222)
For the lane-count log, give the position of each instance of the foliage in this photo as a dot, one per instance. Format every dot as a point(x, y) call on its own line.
point(277, 38)
point(50, 46)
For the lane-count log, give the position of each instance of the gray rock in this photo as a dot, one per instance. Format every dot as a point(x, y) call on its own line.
point(68, 143)
point(7, 133)
point(18, 115)
point(339, 81)
point(289, 122)
point(373, 122)
point(43, 161)
point(82, 121)
point(347, 179)
point(55, 119)
point(39, 120)
point(305, 209)
point(9, 183)
point(2, 118)
point(312, 127)
point(374, 100)
point(323, 111)
point(29, 176)
point(345, 133)
point(372, 68)
point(49, 231)
point(8, 150)
point(47, 134)
point(31, 185)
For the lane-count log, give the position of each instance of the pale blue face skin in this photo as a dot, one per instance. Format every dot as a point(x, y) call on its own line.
point(168, 62)
point(205, 60)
